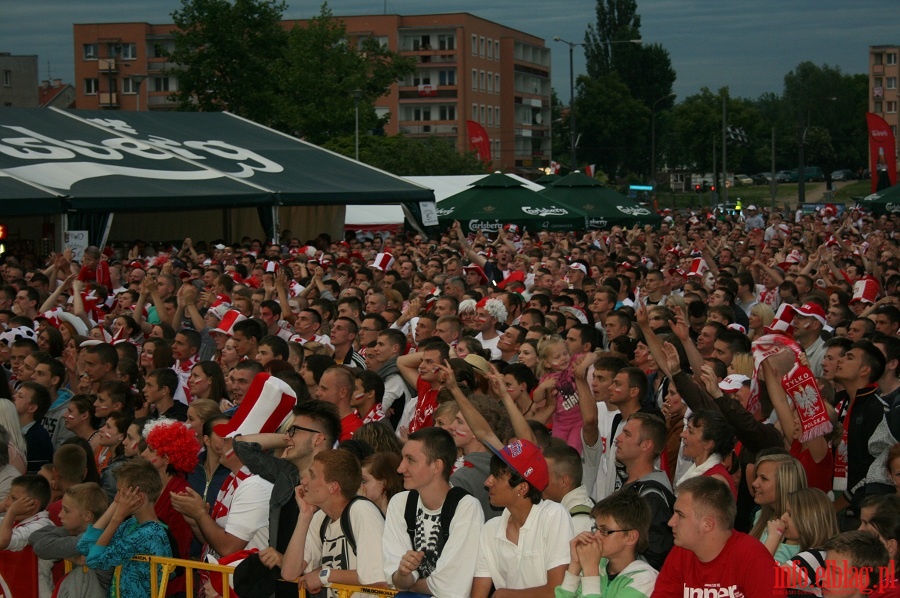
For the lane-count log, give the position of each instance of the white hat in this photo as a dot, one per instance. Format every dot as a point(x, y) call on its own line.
point(268, 402)
point(227, 322)
point(733, 383)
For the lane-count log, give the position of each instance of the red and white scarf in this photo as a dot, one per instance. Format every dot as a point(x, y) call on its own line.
point(799, 384)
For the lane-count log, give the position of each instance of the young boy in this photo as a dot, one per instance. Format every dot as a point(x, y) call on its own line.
point(32, 401)
point(28, 497)
point(606, 557)
point(127, 528)
point(82, 505)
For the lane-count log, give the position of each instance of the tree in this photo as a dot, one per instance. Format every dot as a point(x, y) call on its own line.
point(322, 69)
point(617, 20)
point(228, 54)
point(410, 156)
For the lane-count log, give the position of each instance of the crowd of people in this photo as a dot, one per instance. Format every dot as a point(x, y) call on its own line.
point(706, 408)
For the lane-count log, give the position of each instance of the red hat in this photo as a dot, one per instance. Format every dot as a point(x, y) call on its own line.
point(812, 310)
point(782, 324)
point(865, 290)
point(137, 264)
point(383, 262)
point(516, 276)
point(271, 266)
point(479, 269)
point(266, 405)
point(227, 322)
point(527, 460)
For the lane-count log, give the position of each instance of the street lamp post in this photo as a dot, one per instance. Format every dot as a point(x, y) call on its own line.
point(653, 136)
point(357, 94)
point(137, 80)
point(572, 45)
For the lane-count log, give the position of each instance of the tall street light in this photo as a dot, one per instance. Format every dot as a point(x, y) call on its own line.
point(572, 46)
point(137, 80)
point(653, 136)
point(357, 94)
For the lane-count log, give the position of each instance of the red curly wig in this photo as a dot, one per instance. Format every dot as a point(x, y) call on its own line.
point(176, 442)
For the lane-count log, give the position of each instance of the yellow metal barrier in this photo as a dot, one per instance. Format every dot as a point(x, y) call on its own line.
point(168, 565)
point(346, 591)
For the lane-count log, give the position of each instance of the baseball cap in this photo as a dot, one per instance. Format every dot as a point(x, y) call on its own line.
point(812, 310)
point(733, 383)
point(526, 459)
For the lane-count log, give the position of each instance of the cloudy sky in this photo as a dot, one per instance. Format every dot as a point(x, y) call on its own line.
point(746, 45)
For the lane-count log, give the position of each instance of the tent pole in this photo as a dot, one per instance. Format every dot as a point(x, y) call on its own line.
point(275, 226)
point(105, 237)
point(63, 227)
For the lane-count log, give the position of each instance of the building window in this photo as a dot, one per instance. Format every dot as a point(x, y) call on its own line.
point(490, 49)
point(490, 117)
point(447, 77)
point(481, 50)
point(490, 82)
point(497, 82)
point(474, 45)
point(891, 107)
point(474, 80)
point(892, 58)
point(877, 107)
point(161, 84)
point(129, 86)
point(878, 59)
point(89, 51)
point(129, 51)
point(448, 112)
point(7, 78)
point(879, 82)
point(482, 119)
point(497, 115)
point(497, 57)
point(892, 82)
point(446, 42)
point(482, 81)
point(91, 87)
point(474, 111)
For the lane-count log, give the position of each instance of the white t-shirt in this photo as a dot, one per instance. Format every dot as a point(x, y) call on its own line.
point(246, 514)
point(491, 345)
point(599, 461)
point(451, 576)
point(335, 553)
point(543, 544)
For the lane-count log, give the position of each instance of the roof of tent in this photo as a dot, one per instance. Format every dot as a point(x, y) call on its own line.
point(443, 186)
point(164, 161)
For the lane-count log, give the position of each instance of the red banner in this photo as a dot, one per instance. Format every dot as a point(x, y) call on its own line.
point(18, 574)
point(479, 140)
point(882, 153)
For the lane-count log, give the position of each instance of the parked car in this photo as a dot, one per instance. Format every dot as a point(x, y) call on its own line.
point(844, 174)
point(743, 180)
point(810, 173)
point(763, 178)
point(783, 176)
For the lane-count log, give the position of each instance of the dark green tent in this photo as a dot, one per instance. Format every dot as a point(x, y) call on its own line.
point(886, 201)
point(548, 179)
point(603, 206)
point(497, 199)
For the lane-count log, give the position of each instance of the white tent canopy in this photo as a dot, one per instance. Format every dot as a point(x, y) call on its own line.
point(371, 217)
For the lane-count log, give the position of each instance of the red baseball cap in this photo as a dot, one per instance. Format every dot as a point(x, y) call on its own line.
point(527, 460)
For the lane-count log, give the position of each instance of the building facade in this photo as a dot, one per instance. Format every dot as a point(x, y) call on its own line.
point(467, 69)
point(18, 81)
point(884, 73)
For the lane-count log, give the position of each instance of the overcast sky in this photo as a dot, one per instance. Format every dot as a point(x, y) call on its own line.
point(747, 45)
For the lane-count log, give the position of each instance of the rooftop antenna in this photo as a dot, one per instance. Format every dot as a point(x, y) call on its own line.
point(49, 77)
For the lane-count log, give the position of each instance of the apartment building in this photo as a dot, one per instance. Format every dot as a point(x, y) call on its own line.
point(467, 69)
point(884, 73)
point(18, 81)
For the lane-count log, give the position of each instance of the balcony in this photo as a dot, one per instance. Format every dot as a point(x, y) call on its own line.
point(443, 92)
point(430, 127)
point(107, 65)
point(108, 99)
point(160, 66)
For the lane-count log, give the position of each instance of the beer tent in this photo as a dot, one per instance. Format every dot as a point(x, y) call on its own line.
point(603, 206)
point(498, 199)
point(95, 163)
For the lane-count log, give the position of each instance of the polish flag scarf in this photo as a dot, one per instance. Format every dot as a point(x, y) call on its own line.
point(798, 382)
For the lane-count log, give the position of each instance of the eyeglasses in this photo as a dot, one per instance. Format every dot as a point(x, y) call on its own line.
point(293, 430)
point(607, 532)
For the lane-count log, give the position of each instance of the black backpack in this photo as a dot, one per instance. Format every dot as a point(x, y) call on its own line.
point(346, 528)
point(448, 510)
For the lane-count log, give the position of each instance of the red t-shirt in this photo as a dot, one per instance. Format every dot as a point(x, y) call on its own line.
point(426, 403)
point(179, 528)
point(349, 424)
point(818, 475)
point(743, 568)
